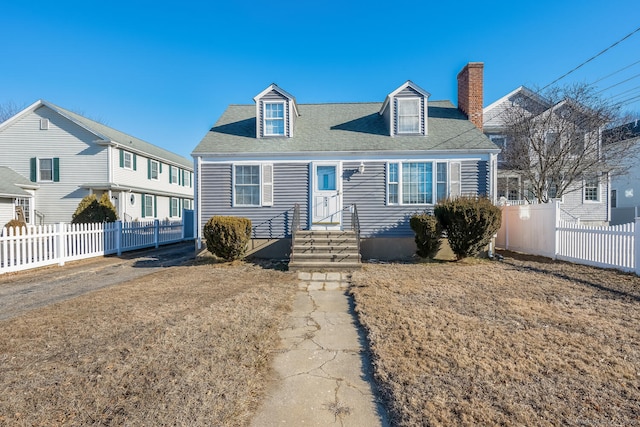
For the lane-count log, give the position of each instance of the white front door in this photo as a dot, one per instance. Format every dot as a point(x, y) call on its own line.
point(326, 196)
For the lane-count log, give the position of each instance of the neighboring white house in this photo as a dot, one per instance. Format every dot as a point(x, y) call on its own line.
point(53, 158)
point(586, 201)
point(625, 189)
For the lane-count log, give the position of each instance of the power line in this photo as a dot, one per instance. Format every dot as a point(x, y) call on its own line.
point(615, 72)
point(619, 83)
point(592, 58)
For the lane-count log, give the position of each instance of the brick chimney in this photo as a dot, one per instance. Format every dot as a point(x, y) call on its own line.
point(470, 92)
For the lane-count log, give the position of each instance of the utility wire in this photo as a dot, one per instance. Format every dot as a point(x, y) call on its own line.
point(592, 58)
point(615, 72)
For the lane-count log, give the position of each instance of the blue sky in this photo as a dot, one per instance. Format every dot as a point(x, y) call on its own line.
point(165, 71)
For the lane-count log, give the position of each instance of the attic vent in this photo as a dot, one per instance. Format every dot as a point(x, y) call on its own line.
point(44, 124)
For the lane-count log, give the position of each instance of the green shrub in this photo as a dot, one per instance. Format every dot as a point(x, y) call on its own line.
point(227, 237)
point(91, 210)
point(428, 232)
point(17, 225)
point(470, 223)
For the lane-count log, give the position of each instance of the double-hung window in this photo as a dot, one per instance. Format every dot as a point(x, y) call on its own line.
point(274, 118)
point(45, 169)
point(175, 207)
point(186, 178)
point(148, 209)
point(591, 189)
point(416, 183)
point(154, 169)
point(173, 174)
point(247, 185)
point(127, 160)
point(409, 115)
point(253, 185)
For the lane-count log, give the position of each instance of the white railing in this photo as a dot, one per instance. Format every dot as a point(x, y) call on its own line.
point(37, 246)
point(539, 230)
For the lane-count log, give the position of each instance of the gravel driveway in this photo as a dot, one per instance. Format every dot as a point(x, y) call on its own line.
point(31, 289)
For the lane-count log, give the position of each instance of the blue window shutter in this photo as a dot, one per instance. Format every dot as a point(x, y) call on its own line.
point(56, 169)
point(148, 168)
point(144, 204)
point(121, 158)
point(134, 162)
point(34, 169)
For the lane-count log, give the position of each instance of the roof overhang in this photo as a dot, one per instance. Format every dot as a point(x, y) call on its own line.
point(105, 186)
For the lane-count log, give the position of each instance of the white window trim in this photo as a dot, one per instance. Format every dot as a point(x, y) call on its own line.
point(598, 192)
point(264, 118)
point(402, 99)
point(126, 154)
point(38, 159)
point(434, 182)
point(147, 214)
point(178, 207)
point(173, 173)
point(264, 187)
point(157, 163)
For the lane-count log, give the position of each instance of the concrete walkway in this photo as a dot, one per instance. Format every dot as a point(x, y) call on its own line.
point(324, 373)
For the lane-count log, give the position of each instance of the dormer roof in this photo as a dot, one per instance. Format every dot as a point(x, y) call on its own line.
point(274, 87)
point(408, 84)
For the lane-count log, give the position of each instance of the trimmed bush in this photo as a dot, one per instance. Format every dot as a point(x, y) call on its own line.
point(91, 210)
point(428, 232)
point(227, 237)
point(17, 225)
point(470, 223)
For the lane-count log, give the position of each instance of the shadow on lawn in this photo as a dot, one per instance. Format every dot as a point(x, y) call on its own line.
point(539, 264)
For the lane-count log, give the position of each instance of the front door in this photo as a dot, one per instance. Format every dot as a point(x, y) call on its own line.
point(326, 196)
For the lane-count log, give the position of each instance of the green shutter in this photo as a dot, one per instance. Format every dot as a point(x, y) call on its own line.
point(148, 168)
point(180, 202)
point(155, 206)
point(121, 158)
point(34, 169)
point(56, 169)
point(170, 167)
point(160, 167)
point(134, 162)
point(143, 204)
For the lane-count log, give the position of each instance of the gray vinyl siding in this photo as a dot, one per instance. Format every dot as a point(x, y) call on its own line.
point(369, 191)
point(475, 178)
point(81, 160)
point(291, 185)
point(573, 205)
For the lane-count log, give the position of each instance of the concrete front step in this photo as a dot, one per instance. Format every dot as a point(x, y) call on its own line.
point(328, 250)
point(323, 266)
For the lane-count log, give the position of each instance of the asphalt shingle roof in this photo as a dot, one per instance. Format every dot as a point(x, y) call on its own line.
point(355, 127)
point(125, 139)
point(8, 180)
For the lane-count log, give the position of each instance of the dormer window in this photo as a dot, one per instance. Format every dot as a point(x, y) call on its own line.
point(276, 113)
point(405, 110)
point(274, 118)
point(409, 115)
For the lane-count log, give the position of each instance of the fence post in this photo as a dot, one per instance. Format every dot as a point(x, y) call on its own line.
point(156, 232)
point(636, 246)
point(118, 232)
point(556, 232)
point(61, 249)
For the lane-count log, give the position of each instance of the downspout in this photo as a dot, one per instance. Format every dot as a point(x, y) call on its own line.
point(196, 199)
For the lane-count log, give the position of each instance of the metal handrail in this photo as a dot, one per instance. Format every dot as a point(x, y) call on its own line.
point(355, 224)
point(295, 227)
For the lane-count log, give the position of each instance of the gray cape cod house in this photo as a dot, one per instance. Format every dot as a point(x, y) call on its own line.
point(384, 160)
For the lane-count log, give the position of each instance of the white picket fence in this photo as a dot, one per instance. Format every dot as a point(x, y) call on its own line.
point(538, 230)
point(37, 246)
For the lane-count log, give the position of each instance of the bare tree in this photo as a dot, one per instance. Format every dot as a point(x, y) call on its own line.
point(7, 110)
point(556, 144)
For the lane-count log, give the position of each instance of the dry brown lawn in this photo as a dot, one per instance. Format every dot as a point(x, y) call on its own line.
point(523, 342)
point(184, 346)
